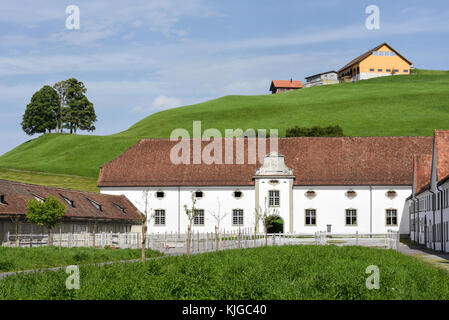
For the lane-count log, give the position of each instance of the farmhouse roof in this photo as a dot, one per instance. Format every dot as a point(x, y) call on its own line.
point(368, 53)
point(315, 161)
point(319, 74)
point(294, 84)
point(112, 207)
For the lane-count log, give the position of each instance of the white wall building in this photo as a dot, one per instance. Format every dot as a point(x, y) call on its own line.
point(347, 184)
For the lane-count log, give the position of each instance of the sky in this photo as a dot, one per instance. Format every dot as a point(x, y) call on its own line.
point(140, 57)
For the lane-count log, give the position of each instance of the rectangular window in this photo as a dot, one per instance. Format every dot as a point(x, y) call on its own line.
point(159, 217)
point(375, 53)
point(396, 70)
point(392, 217)
point(405, 70)
point(273, 198)
point(351, 217)
point(381, 53)
point(392, 53)
point(310, 217)
point(372, 70)
point(198, 220)
point(237, 217)
point(388, 70)
point(379, 70)
point(2, 199)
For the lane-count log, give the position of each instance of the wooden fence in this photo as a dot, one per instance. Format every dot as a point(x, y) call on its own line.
point(176, 243)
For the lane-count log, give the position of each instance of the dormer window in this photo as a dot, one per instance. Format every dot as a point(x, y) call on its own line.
point(310, 194)
point(2, 199)
point(119, 207)
point(95, 204)
point(69, 202)
point(351, 194)
point(391, 194)
point(160, 194)
point(237, 194)
point(38, 198)
point(199, 194)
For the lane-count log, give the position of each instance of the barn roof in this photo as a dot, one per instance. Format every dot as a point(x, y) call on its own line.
point(293, 84)
point(365, 55)
point(83, 205)
point(315, 161)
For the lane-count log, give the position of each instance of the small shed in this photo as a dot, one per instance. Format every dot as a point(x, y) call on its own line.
point(278, 86)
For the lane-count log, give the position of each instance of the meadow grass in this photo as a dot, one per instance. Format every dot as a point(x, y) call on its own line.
point(287, 272)
point(50, 179)
point(403, 105)
point(15, 259)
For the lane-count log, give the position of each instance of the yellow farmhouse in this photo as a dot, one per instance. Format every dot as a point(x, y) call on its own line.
point(381, 61)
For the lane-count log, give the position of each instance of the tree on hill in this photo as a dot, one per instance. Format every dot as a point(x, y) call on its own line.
point(39, 116)
point(47, 213)
point(79, 112)
point(63, 106)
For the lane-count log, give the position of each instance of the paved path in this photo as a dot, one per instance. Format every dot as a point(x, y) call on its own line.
point(439, 259)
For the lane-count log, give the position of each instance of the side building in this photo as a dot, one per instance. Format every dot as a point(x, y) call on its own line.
point(86, 211)
point(341, 184)
point(322, 79)
point(278, 86)
point(380, 61)
point(429, 202)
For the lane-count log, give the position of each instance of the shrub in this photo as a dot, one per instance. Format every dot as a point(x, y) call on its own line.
point(330, 131)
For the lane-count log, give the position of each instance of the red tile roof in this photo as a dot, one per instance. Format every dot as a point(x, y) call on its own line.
point(16, 193)
point(315, 161)
point(442, 148)
point(422, 166)
point(368, 53)
point(293, 84)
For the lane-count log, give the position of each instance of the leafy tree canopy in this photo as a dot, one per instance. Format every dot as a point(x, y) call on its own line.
point(46, 213)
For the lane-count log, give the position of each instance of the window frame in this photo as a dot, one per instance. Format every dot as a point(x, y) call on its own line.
point(164, 217)
point(356, 218)
point(305, 217)
point(274, 205)
point(198, 216)
point(386, 217)
point(242, 217)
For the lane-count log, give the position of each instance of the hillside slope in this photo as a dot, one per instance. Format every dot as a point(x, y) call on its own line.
point(399, 105)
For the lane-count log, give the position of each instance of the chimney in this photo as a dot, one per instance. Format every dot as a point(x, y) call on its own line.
point(291, 80)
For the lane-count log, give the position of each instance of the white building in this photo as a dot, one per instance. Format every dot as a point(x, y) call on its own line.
point(322, 79)
point(429, 202)
point(345, 184)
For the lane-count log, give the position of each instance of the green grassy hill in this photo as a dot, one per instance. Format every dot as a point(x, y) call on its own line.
point(400, 105)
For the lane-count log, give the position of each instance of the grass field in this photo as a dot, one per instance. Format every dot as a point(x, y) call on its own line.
point(399, 105)
point(51, 179)
point(15, 259)
point(287, 272)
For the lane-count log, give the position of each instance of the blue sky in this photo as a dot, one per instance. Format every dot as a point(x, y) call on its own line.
point(140, 57)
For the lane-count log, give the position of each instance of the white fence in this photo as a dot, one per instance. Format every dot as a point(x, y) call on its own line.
point(174, 243)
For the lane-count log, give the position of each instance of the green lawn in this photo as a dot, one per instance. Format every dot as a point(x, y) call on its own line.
point(287, 272)
point(51, 179)
point(400, 105)
point(15, 259)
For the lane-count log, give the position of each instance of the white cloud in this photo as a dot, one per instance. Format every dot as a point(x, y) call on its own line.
point(159, 103)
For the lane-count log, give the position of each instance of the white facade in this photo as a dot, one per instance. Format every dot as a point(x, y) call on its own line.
point(429, 216)
point(328, 202)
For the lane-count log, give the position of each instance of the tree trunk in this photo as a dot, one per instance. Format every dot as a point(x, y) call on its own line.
point(144, 238)
point(50, 240)
point(188, 241)
point(216, 238)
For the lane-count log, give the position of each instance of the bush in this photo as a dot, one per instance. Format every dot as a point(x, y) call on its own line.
point(330, 131)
